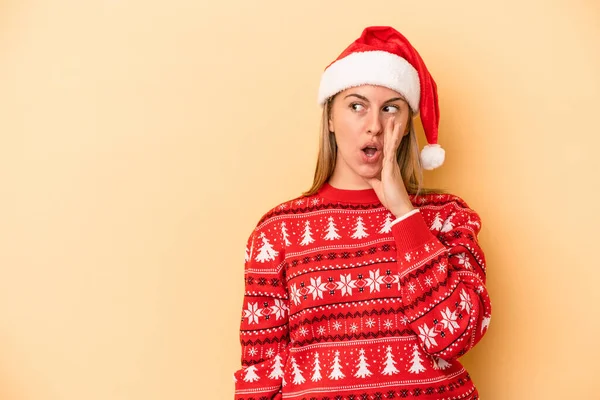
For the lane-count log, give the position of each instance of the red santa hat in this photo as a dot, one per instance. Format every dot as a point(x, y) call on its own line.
point(383, 56)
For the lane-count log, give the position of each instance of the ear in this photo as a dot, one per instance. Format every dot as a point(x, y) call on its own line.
point(330, 125)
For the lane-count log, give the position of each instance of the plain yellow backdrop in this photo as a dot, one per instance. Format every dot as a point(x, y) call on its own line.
point(141, 141)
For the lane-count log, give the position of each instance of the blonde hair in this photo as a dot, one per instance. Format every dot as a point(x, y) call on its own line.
point(407, 157)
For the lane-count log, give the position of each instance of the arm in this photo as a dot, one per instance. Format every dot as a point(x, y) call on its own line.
point(264, 325)
point(442, 280)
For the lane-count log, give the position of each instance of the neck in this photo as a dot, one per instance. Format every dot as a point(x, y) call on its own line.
point(342, 178)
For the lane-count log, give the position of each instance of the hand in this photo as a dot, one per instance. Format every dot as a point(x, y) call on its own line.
point(390, 188)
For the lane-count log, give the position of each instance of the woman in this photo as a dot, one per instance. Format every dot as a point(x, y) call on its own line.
point(366, 286)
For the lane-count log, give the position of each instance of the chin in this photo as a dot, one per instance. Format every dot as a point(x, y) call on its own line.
point(369, 172)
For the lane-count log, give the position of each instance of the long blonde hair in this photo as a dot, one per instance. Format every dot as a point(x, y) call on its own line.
point(407, 157)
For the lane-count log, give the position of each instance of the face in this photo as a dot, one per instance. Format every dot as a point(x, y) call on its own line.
point(358, 118)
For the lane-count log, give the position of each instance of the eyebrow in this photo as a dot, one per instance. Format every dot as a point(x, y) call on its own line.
point(367, 100)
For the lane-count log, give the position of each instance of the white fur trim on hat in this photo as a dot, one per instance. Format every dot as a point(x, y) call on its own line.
point(373, 68)
point(432, 156)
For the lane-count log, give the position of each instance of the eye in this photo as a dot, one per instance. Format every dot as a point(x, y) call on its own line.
point(391, 108)
point(356, 107)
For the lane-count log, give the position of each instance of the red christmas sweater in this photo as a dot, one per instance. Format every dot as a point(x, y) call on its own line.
point(345, 302)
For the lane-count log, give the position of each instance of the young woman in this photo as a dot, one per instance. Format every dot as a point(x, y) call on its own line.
point(367, 286)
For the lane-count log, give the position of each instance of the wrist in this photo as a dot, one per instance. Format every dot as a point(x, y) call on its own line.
point(402, 210)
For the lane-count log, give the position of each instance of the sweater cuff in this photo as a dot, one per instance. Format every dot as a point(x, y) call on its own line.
point(411, 232)
point(403, 217)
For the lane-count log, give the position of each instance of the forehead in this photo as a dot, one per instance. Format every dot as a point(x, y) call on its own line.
point(371, 92)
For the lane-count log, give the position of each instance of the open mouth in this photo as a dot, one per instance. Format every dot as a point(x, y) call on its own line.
point(370, 151)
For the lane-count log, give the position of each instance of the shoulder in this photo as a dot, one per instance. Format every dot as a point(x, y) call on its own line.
point(279, 213)
point(297, 205)
point(446, 206)
point(445, 201)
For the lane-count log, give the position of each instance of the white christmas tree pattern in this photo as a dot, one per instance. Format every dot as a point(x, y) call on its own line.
point(363, 366)
point(266, 252)
point(439, 363)
point(416, 366)
point(477, 224)
point(448, 225)
point(331, 230)
point(336, 368)
point(390, 364)
point(485, 323)
point(387, 224)
point(307, 236)
point(285, 234)
point(359, 229)
point(298, 378)
point(277, 372)
point(316, 369)
point(251, 375)
point(437, 222)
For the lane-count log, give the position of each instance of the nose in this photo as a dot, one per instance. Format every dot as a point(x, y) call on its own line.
point(374, 124)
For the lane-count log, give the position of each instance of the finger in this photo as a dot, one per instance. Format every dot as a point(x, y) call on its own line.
point(397, 137)
point(388, 153)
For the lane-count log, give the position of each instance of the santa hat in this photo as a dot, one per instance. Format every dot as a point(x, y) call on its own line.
point(383, 56)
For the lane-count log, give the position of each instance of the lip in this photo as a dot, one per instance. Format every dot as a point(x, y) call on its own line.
point(375, 145)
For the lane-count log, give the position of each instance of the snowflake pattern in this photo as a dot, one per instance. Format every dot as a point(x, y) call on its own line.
point(317, 288)
point(388, 324)
point(465, 301)
point(279, 309)
point(295, 294)
point(346, 284)
point(252, 313)
point(303, 331)
point(353, 328)
point(337, 325)
point(412, 287)
point(441, 267)
point(370, 322)
point(427, 335)
point(252, 352)
point(449, 320)
point(464, 260)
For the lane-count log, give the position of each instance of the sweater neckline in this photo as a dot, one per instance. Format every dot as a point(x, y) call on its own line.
point(363, 196)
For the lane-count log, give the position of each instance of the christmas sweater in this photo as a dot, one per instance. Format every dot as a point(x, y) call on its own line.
point(345, 301)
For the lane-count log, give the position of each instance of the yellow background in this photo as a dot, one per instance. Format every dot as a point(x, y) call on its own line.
point(141, 141)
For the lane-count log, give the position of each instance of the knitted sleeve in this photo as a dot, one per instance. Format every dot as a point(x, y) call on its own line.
point(442, 278)
point(264, 326)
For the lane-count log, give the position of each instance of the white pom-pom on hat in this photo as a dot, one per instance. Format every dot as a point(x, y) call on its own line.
point(432, 156)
